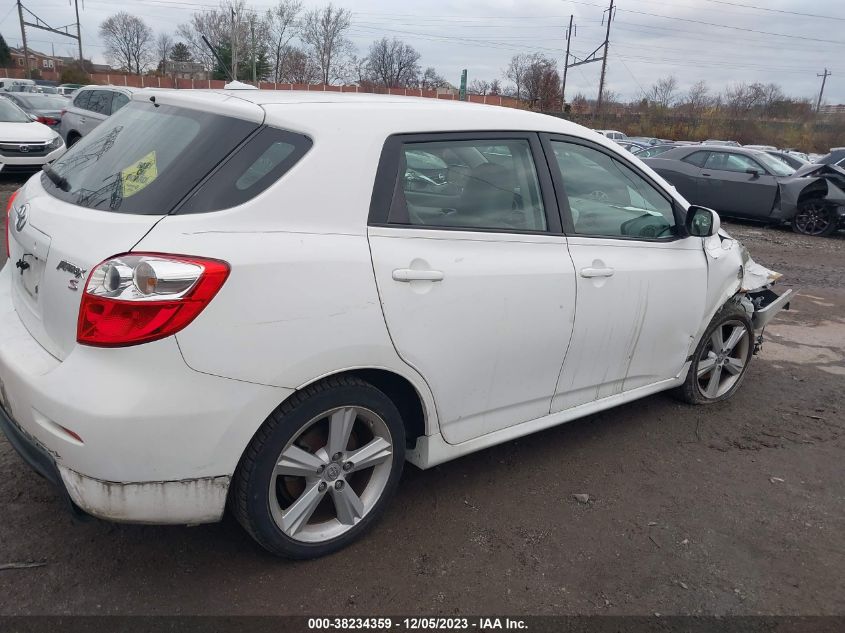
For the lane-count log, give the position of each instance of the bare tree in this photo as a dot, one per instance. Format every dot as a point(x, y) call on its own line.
point(298, 67)
point(281, 23)
point(128, 40)
point(324, 33)
point(541, 82)
point(431, 80)
point(516, 72)
point(495, 88)
point(662, 93)
point(163, 47)
point(478, 87)
point(218, 25)
point(393, 64)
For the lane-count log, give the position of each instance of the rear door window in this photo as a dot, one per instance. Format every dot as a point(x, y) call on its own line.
point(100, 101)
point(696, 158)
point(145, 159)
point(490, 185)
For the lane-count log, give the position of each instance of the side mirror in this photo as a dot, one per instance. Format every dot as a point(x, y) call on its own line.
point(702, 222)
point(753, 172)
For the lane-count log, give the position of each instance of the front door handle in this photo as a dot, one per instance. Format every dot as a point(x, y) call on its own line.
point(591, 273)
point(409, 274)
point(706, 175)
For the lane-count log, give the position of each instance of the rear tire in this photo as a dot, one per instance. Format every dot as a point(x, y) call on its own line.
point(321, 469)
point(814, 217)
point(721, 358)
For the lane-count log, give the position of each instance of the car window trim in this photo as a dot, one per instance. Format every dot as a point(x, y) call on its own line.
point(387, 181)
point(678, 213)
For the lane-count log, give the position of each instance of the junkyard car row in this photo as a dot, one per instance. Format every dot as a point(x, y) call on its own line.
point(257, 337)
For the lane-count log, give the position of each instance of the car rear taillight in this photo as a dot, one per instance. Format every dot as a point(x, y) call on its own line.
point(141, 297)
point(9, 206)
point(46, 120)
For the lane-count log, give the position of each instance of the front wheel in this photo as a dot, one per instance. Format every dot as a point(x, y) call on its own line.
point(814, 217)
point(721, 359)
point(321, 469)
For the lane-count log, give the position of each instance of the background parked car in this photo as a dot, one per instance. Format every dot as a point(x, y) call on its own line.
point(793, 160)
point(752, 184)
point(46, 109)
point(25, 145)
point(712, 141)
point(91, 106)
point(67, 90)
point(835, 157)
point(615, 135)
point(8, 83)
point(632, 146)
point(762, 148)
point(646, 140)
point(653, 150)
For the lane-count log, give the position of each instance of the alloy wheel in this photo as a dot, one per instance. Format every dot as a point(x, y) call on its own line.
point(813, 218)
point(331, 474)
point(722, 361)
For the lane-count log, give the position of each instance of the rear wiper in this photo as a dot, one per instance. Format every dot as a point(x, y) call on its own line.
point(60, 181)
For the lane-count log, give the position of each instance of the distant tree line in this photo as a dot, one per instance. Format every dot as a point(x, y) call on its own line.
point(285, 44)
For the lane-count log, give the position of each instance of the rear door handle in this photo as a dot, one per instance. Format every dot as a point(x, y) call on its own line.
point(409, 274)
point(708, 175)
point(591, 273)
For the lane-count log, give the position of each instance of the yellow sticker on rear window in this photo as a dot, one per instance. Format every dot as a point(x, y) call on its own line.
point(139, 174)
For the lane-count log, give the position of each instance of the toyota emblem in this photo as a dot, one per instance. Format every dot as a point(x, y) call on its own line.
point(20, 217)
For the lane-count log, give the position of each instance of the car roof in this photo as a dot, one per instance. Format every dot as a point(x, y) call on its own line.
point(309, 111)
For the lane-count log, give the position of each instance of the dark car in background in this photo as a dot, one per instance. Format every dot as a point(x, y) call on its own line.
point(835, 157)
point(46, 108)
point(796, 162)
point(752, 184)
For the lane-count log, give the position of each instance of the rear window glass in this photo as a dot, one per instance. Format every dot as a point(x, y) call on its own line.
point(81, 99)
point(145, 159)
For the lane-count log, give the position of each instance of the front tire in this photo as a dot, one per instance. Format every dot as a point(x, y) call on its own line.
point(721, 359)
point(321, 469)
point(814, 217)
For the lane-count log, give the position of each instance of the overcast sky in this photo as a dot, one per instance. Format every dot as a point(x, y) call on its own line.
point(649, 38)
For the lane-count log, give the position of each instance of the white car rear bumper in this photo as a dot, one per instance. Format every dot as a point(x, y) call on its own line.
point(159, 440)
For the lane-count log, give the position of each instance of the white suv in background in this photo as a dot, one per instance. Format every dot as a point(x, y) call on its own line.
point(273, 299)
point(613, 135)
point(89, 107)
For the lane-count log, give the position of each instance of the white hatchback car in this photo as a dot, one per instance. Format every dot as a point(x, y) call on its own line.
point(276, 298)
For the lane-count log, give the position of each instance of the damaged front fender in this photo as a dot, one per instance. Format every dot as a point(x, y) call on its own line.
point(734, 275)
point(811, 182)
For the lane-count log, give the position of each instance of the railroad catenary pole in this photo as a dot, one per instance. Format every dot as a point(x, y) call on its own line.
point(604, 61)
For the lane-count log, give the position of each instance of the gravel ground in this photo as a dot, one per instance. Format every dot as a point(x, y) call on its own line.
point(736, 508)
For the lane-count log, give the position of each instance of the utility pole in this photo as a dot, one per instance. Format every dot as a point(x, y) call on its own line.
point(604, 60)
point(79, 35)
point(252, 28)
point(566, 65)
point(824, 77)
point(234, 45)
point(23, 39)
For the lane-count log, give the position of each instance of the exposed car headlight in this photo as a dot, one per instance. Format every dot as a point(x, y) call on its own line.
point(55, 143)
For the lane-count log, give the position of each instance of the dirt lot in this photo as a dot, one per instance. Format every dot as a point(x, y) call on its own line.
point(734, 509)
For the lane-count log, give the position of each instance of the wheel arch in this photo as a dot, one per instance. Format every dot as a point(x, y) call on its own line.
point(410, 394)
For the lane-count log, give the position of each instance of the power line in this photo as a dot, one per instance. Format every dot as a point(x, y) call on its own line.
point(783, 11)
point(714, 24)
